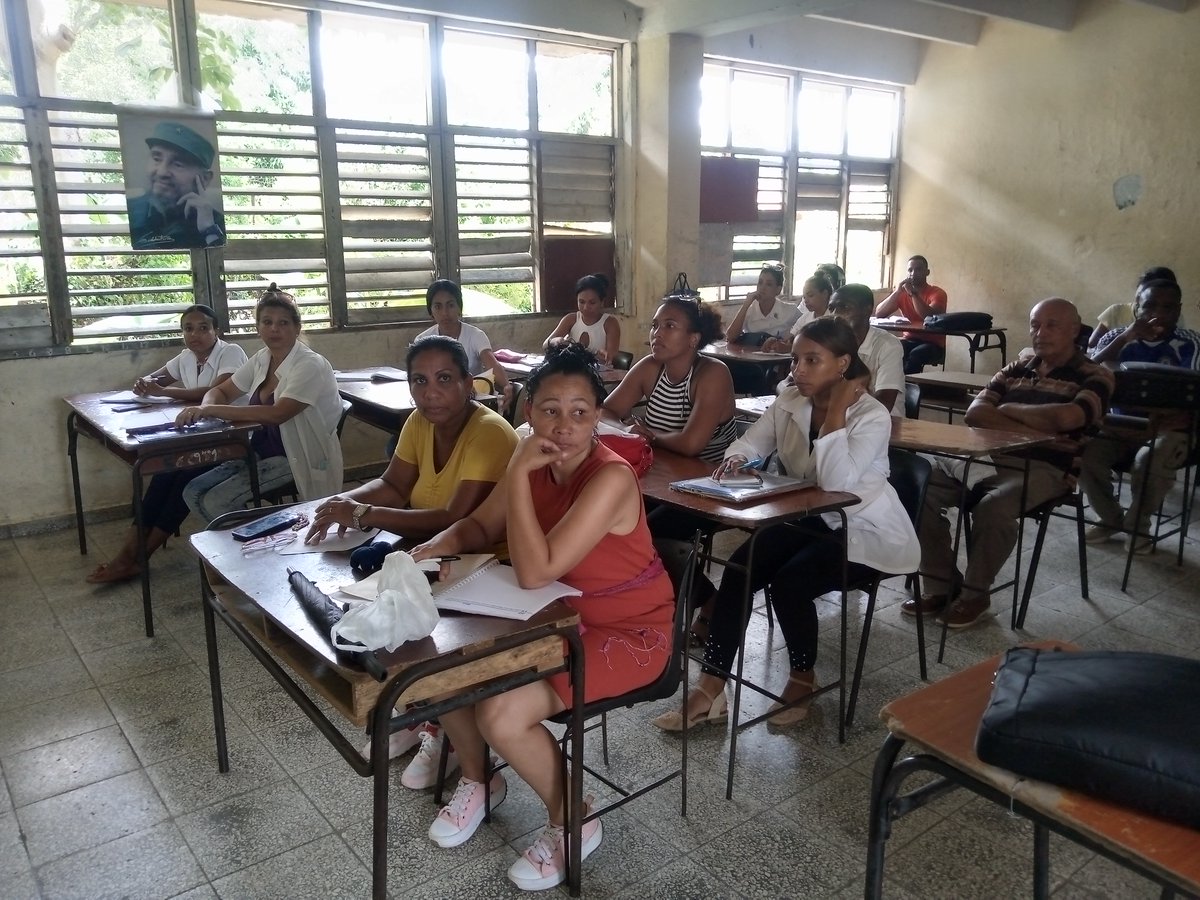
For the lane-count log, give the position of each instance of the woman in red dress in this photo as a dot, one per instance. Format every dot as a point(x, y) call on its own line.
point(571, 510)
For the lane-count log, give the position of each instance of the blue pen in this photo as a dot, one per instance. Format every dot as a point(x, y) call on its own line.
point(753, 464)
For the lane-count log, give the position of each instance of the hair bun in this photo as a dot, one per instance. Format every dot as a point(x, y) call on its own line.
point(273, 288)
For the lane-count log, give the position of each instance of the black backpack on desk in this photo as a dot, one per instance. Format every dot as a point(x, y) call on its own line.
point(959, 321)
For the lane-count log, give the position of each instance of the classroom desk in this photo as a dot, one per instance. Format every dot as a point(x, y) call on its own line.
point(522, 369)
point(743, 353)
point(954, 389)
point(101, 421)
point(384, 404)
point(468, 657)
point(978, 339)
point(942, 720)
point(753, 518)
point(970, 445)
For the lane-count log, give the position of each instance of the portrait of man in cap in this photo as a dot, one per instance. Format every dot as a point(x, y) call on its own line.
point(172, 189)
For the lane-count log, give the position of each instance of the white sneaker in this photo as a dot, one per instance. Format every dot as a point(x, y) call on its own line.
point(422, 771)
point(461, 817)
point(399, 743)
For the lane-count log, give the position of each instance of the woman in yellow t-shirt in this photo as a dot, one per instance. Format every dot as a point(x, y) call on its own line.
point(452, 451)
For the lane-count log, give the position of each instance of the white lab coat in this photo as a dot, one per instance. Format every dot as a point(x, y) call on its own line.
point(309, 439)
point(852, 459)
point(225, 357)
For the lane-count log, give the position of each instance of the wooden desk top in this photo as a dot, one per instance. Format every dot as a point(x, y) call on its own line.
point(393, 397)
point(108, 423)
point(916, 328)
point(256, 591)
point(943, 719)
point(967, 381)
point(922, 436)
point(727, 352)
point(788, 507)
point(524, 367)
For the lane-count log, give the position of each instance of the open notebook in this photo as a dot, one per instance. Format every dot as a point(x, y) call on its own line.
point(478, 584)
point(740, 488)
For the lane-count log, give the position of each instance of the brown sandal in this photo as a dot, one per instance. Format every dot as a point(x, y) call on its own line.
point(797, 713)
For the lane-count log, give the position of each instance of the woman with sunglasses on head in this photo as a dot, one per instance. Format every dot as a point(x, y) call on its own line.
point(826, 428)
point(816, 296)
point(570, 510)
point(294, 396)
point(444, 301)
point(590, 326)
point(762, 312)
point(205, 361)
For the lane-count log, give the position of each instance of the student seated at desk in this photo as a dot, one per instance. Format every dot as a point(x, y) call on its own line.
point(1154, 337)
point(761, 318)
point(818, 291)
point(590, 326)
point(882, 353)
point(571, 510)
point(915, 298)
point(206, 361)
point(294, 395)
point(444, 301)
point(451, 453)
point(689, 410)
point(1121, 315)
point(827, 428)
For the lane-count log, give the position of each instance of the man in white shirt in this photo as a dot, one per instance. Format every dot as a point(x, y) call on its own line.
point(882, 353)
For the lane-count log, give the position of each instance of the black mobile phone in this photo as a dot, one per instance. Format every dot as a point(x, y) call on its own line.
point(266, 525)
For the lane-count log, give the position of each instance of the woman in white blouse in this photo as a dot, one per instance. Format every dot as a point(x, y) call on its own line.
point(444, 300)
point(294, 396)
point(826, 428)
point(205, 361)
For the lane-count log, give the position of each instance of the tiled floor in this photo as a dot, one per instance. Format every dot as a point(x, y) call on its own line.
point(110, 785)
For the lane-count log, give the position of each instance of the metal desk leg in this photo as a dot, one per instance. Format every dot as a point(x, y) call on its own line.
point(747, 609)
point(143, 561)
point(214, 672)
point(880, 825)
point(72, 452)
point(380, 737)
point(1041, 861)
point(845, 628)
point(574, 794)
point(958, 533)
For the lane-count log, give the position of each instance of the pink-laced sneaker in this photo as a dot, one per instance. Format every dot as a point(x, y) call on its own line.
point(460, 818)
point(543, 865)
point(422, 769)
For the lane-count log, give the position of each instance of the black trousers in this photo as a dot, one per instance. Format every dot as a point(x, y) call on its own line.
point(800, 563)
point(162, 504)
point(919, 354)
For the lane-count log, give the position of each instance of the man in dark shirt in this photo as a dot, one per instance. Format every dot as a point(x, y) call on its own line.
point(178, 210)
point(1154, 337)
point(1058, 391)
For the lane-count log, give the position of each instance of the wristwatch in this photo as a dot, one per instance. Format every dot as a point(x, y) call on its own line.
point(357, 516)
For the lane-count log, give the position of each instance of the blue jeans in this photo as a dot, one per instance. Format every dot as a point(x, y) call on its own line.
point(227, 487)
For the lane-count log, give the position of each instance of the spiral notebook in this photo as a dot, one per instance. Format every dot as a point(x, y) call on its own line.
point(492, 590)
point(740, 489)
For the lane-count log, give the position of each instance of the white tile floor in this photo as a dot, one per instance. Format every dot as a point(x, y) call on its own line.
point(110, 787)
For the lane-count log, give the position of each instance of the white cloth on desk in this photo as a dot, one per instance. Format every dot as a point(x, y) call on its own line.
point(310, 439)
point(852, 459)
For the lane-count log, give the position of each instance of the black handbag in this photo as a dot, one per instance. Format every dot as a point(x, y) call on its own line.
point(959, 321)
point(1121, 726)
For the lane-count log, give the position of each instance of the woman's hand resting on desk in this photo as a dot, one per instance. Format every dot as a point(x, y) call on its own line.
point(191, 415)
point(729, 466)
point(638, 426)
point(148, 387)
point(777, 345)
point(336, 510)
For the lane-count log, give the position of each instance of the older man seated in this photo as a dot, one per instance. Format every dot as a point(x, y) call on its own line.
point(1058, 391)
point(1154, 336)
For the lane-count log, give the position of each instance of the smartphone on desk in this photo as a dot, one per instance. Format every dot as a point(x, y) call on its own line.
point(266, 525)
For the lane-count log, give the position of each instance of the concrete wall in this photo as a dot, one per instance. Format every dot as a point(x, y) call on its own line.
point(35, 479)
point(1011, 150)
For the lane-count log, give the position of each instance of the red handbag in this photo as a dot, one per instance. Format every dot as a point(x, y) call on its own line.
point(633, 448)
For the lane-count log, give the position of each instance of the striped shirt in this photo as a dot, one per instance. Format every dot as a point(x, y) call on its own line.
point(1087, 384)
point(669, 407)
